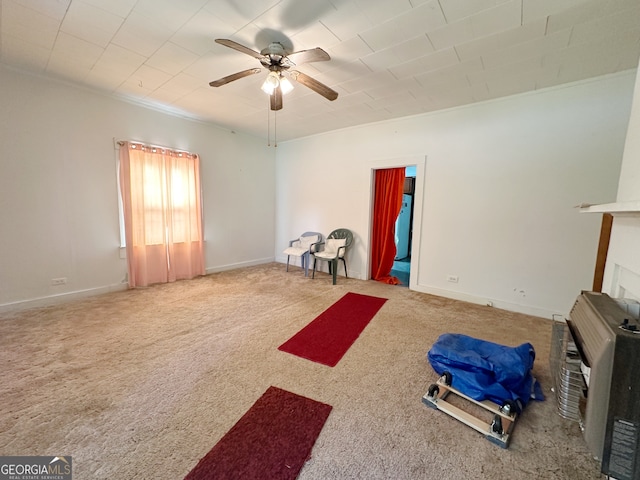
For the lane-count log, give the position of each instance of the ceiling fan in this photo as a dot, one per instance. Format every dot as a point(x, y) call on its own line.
point(276, 59)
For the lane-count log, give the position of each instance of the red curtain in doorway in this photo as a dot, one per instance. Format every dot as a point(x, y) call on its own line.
point(389, 186)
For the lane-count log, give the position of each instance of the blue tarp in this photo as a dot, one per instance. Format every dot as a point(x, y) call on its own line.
point(485, 370)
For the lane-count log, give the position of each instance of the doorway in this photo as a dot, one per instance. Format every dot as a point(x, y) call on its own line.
point(415, 166)
point(404, 232)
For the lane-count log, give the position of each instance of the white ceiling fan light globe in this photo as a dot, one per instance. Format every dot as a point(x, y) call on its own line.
point(285, 85)
point(270, 83)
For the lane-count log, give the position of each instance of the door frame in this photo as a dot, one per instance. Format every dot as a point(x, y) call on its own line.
point(420, 162)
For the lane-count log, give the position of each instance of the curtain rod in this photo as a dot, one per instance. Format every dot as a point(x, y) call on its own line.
point(121, 143)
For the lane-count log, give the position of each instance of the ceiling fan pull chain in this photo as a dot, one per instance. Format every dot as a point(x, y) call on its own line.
point(275, 129)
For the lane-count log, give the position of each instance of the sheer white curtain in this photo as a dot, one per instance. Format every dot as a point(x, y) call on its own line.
point(162, 208)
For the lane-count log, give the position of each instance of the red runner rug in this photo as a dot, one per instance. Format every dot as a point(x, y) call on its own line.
point(272, 440)
point(327, 338)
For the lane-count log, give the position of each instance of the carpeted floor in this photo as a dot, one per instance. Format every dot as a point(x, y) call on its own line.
point(141, 384)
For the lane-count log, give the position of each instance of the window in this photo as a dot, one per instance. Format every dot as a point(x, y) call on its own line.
point(162, 208)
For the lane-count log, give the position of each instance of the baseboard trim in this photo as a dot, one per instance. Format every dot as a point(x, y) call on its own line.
point(60, 298)
point(233, 266)
point(489, 302)
point(90, 292)
point(79, 294)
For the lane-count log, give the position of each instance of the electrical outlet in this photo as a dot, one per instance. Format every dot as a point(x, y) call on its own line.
point(452, 278)
point(59, 281)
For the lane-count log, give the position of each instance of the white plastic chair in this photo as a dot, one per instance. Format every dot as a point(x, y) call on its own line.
point(303, 247)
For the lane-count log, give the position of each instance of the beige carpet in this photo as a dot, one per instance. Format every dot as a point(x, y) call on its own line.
point(141, 384)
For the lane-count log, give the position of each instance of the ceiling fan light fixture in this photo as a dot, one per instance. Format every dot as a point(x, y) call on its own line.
point(276, 80)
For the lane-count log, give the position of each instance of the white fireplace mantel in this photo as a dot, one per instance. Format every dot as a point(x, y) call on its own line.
point(617, 209)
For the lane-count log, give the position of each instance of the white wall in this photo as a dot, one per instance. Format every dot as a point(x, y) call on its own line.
point(622, 272)
point(58, 194)
point(500, 183)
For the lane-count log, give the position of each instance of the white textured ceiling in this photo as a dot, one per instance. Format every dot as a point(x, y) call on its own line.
point(389, 58)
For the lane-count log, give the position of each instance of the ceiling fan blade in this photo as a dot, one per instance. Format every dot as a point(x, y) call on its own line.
point(234, 76)
point(276, 99)
point(240, 48)
point(306, 56)
point(314, 85)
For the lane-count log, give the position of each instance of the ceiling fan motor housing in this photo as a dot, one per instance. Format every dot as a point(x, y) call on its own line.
point(274, 55)
point(274, 48)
